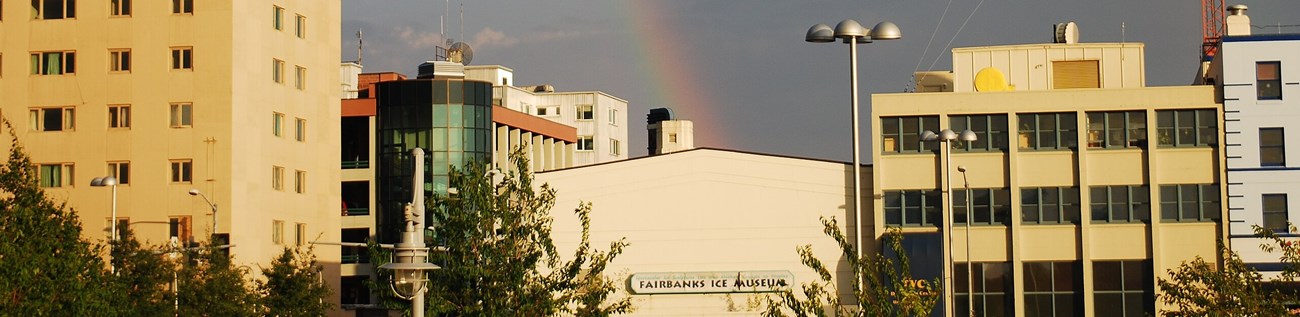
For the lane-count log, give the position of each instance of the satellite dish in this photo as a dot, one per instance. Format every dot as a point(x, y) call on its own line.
point(991, 79)
point(460, 53)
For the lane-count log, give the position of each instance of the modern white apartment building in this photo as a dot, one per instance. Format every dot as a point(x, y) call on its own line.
point(601, 118)
point(237, 99)
point(1259, 80)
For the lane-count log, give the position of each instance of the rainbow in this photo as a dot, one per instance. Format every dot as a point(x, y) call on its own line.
point(673, 79)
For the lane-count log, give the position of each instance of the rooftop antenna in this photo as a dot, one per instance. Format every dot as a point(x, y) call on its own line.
point(462, 21)
point(360, 43)
point(1123, 33)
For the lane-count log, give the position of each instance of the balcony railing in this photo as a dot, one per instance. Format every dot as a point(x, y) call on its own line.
point(357, 211)
point(357, 258)
point(356, 164)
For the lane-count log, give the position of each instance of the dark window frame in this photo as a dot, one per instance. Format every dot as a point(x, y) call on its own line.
point(907, 139)
point(1268, 88)
point(929, 206)
point(1134, 209)
point(1056, 288)
point(1172, 130)
point(1034, 201)
point(1282, 226)
point(1099, 136)
point(1178, 200)
point(1134, 278)
point(994, 210)
point(992, 137)
point(1032, 130)
point(1279, 147)
point(985, 290)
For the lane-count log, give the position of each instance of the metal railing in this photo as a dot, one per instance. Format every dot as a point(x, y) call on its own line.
point(356, 164)
point(363, 211)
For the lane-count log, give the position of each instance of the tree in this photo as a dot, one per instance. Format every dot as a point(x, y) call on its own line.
point(500, 258)
point(212, 285)
point(143, 279)
point(293, 285)
point(46, 269)
point(1199, 288)
point(886, 287)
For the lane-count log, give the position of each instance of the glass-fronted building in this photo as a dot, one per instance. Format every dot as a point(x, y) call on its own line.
point(450, 118)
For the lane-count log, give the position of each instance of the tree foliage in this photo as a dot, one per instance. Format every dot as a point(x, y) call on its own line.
point(46, 269)
point(501, 259)
point(886, 288)
point(211, 284)
point(293, 285)
point(143, 279)
point(1201, 288)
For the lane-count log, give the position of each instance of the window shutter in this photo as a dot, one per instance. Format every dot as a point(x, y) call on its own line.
point(1075, 74)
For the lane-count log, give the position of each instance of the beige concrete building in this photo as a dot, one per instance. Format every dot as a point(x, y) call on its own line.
point(706, 215)
point(1083, 185)
point(237, 99)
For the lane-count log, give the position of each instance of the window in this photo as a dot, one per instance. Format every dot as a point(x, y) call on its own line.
point(121, 171)
point(278, 18)
point(57, 175)
point(277, 178)
point(613, 116)
point(52, 119)
point(277, 71)
point(1051, 289)
point(1189, 202)
point(182, 115)
point(1187, 128)
point(1268, 80)
point(1117, 129)
point(912, 208)
point(585, 112)
point(183, 58)
point(586, 143)
point(990, 283)
point(300, 28)
point(614, 147)
point(119, 8)
point(54, 9)
point(119, 116)
point(300, 182)
point(990, 130)
point(1049, 205)
point(1272, 147)
point(54, 63)
point(182, 6)
point(179, 227)
point(990, 206)
point(1276, 217)
point(123, 225)
point(548, 111)
point(277, 232)
point(1048, 131)
point(119, 60)
point(182, 171)
point(903, 134)
point(299, 234)
point(300, 130)
point(277, 124)
point(1123, 288)
point(1131, 203)
point(299, 77)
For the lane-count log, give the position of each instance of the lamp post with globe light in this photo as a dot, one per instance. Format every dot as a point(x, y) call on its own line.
point(946, 139)
point(852, 33)
point(409, 264)
point(109, 181)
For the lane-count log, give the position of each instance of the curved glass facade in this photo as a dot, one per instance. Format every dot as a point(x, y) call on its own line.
point(451, 119)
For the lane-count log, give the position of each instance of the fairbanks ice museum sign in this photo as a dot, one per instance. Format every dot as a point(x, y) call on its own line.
point(709, 282)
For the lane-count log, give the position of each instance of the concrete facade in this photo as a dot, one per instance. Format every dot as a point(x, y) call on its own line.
point(238, 99)
point(1084, 182)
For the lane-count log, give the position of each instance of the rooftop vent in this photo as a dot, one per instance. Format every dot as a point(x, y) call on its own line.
point(441, 69)
point(1066, 33)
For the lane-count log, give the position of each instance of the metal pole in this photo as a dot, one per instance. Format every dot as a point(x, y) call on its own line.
point(948, 291)
point(970, 276)
point(214, 218)
point(112, 268)
point(857, 163)
point(417, 304)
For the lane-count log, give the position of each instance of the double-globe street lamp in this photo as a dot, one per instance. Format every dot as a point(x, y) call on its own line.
point(852, 33)
point(109, 181)
point(945, 139)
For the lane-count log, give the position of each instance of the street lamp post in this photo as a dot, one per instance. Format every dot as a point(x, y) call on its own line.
point(970, 277)
point(196, 192)
point(945, 139)
point(852, 33)
point(109, 181)
point(410, 255)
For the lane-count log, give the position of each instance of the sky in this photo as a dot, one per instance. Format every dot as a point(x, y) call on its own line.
point(740, 68)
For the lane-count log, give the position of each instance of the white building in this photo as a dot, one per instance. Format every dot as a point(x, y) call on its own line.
point(1259, 81)
point(601, 118)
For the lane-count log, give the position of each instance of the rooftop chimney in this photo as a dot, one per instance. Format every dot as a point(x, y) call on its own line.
point(1238, 22)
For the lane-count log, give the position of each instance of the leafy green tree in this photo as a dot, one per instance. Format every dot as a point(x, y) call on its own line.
point(1201, 288)
point(886, 288)
point(501, 259)
point(212, 285)
point(46, 268)
point(294, 286)
point(144, 278)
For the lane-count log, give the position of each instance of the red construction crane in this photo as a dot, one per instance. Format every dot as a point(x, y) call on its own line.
point(1211, 27)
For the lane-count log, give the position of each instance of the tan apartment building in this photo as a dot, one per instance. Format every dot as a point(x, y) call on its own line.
point(235, 99)
point(1083, 186)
